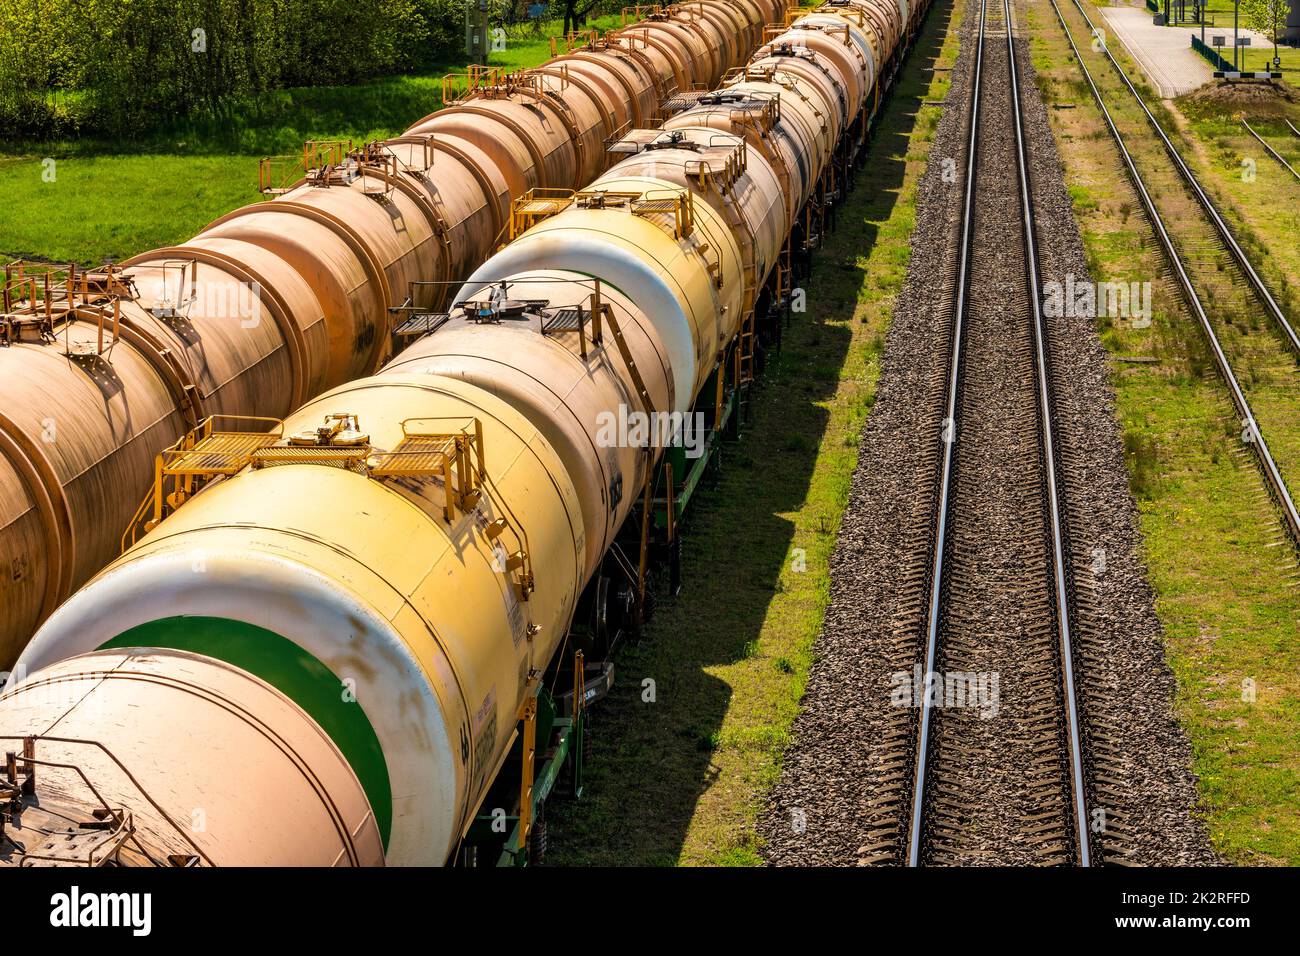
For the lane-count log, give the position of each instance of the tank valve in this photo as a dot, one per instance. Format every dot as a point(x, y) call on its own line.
point(336, 430)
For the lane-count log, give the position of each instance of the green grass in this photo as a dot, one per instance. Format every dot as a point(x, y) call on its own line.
point(116, 206)
point(1224, 577)
point(682, 780)
point(113, 199)
point(1261, 201)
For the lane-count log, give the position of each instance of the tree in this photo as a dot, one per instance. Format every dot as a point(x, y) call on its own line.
point(1265, 16)
point(575, 14)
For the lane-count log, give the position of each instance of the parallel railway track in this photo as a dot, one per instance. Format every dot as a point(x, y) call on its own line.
point(998, 590)
point(1214, 276)
point(1004, 566)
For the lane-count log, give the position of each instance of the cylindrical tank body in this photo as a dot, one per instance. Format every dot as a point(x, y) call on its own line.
point(348, 610)
point(277, 301)
point(270, 787)
point(559, 393)
point(408, 634)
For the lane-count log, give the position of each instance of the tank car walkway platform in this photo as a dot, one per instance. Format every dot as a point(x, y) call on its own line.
point(1164, 53)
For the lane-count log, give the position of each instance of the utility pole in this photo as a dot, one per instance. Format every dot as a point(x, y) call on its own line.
point(1275, 11)
point(476, 31)
point(1236, 40)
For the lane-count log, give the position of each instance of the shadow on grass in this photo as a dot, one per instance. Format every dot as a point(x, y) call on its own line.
point(649, 763)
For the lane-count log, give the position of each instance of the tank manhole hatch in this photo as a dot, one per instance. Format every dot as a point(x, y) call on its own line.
point(414, 455)
point(222, 453)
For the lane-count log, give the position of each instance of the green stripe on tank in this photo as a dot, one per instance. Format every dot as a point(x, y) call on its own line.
point(293, 672)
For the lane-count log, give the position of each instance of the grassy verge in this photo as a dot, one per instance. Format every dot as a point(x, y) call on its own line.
point(683, 778)
point(1257, 195)
point(89, 199)
point(1224, 578)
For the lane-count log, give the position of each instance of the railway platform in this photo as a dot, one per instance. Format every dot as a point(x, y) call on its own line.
point(1164, 53)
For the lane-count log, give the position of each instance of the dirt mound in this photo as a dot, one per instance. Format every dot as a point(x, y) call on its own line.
point(1264, 97)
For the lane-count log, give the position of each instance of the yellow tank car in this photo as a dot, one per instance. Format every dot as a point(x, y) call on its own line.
point(408, 637)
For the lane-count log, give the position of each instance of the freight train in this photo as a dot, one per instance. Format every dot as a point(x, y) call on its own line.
point(278, 301)
point(370, 634)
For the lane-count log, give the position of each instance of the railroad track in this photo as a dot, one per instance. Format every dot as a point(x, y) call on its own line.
point(990, 763)
point(1217, 282)
point(1281, 160)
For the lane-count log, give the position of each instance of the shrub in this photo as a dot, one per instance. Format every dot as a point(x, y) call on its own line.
point(130, 65)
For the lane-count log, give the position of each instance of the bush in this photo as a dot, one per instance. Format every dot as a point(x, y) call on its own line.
point(124, 66)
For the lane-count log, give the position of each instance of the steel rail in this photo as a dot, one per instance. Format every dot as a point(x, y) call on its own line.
point(1271, 151)
point(1207, 204)
point(1050, 480)
point(1250, 428)
point(949, 439)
